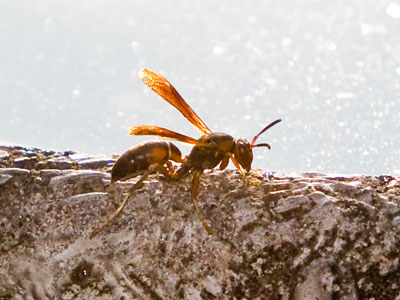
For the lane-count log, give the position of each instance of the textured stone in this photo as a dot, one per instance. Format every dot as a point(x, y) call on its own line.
point(26, 162)
point(4, 178)
point(307, 237)
point(4, 154)
point(14, 171)
point(95, 163)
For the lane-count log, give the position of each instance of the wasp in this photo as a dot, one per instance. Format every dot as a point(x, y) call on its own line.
point(210, 150)
point(143, 159)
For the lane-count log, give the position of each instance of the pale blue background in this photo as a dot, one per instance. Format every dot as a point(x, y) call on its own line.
point(329, 69)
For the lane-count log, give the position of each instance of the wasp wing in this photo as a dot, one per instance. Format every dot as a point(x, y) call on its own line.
point(165, 90)
point(165, 133)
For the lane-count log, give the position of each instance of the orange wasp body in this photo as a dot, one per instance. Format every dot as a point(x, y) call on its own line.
point(210, 149)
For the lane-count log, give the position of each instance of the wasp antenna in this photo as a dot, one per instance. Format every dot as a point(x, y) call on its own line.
point(262, 145)
point(262, 131)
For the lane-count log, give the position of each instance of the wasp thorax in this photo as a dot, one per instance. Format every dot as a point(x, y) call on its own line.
point(243, 153)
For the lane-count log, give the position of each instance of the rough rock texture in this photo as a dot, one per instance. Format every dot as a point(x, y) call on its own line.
point(307, 237)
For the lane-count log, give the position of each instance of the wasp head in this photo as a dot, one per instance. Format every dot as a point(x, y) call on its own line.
point(243, 150)
point(243, 153)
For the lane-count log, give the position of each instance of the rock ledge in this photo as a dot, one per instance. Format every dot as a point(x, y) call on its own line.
point(312, 236)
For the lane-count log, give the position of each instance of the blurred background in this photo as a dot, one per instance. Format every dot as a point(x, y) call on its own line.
point(329, 69)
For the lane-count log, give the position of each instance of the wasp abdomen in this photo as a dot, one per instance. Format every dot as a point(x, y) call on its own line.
point(140, 157)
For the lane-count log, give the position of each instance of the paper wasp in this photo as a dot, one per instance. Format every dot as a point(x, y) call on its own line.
point(211, 149)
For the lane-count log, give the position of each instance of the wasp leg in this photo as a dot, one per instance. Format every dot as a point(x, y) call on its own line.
point(117, 212)
point(168, 171)
point(183, 170)
point(170, 167)
point(244, 177)
point(195, 192)
point(225, 161)
point(238, 166)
